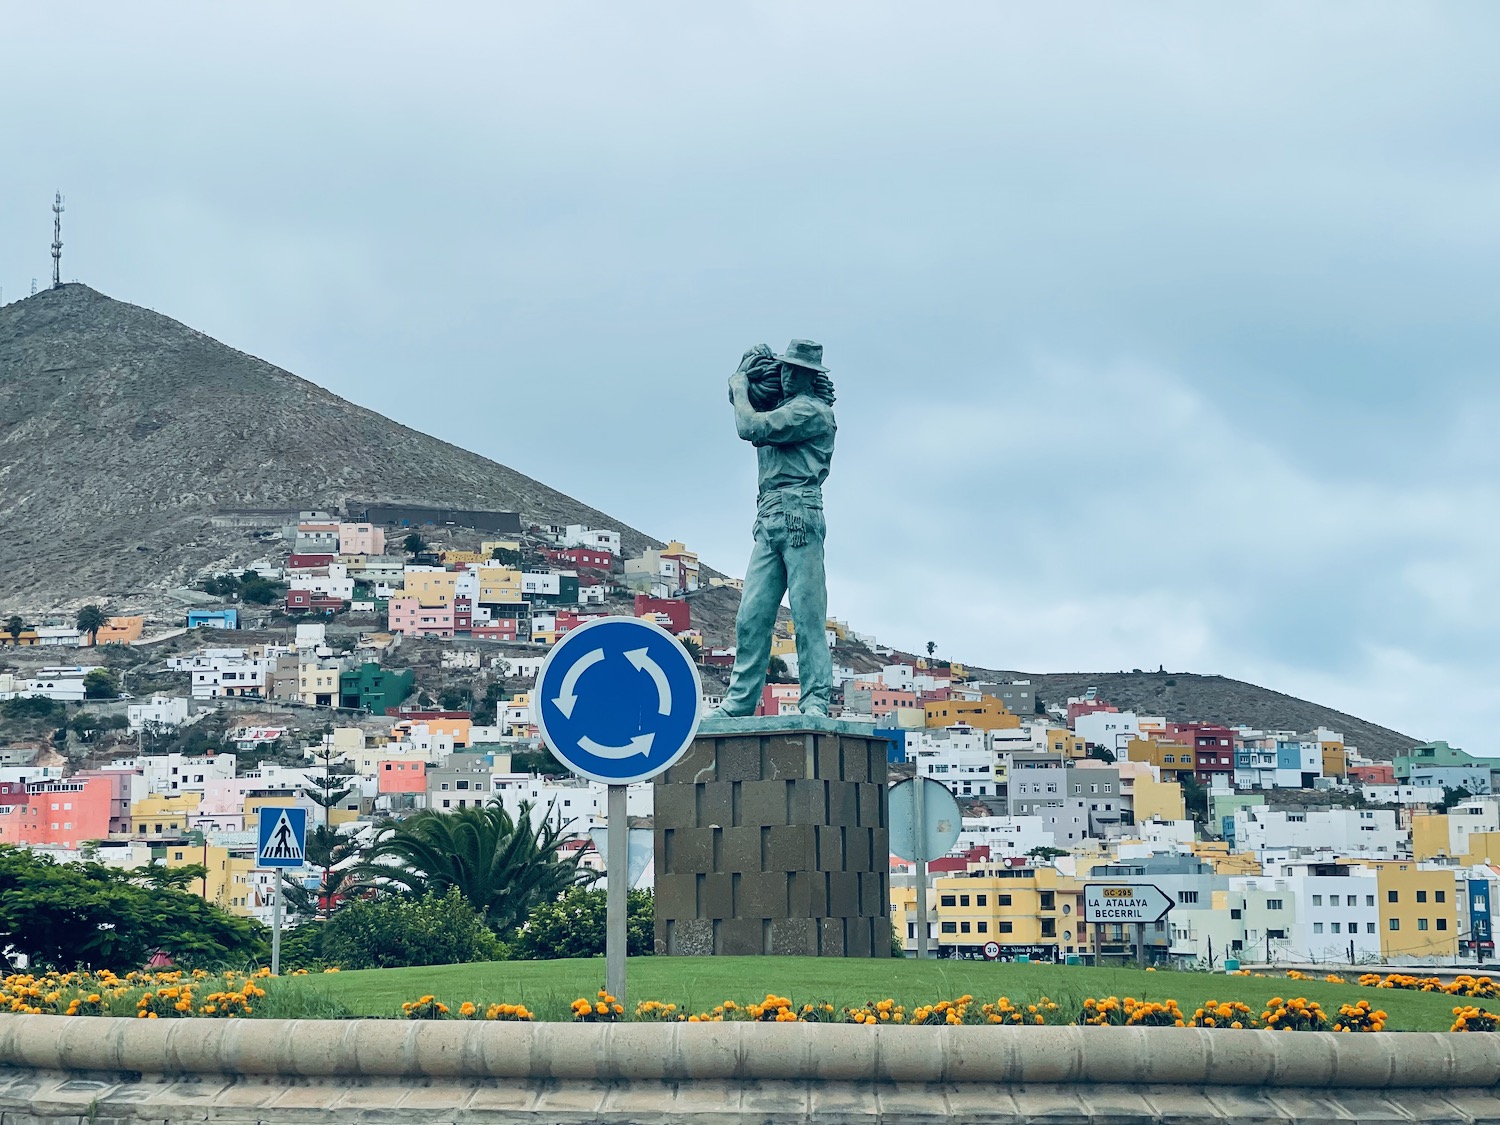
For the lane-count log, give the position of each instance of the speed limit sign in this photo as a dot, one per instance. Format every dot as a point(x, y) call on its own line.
point(991, 950)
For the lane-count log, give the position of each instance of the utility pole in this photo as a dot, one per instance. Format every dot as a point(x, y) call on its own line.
point(57, 210)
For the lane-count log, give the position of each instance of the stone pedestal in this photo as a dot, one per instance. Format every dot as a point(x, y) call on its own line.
point(771, 838)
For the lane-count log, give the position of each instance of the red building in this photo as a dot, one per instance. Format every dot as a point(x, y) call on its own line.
point(499, 629)
point(1379, 773)
point(309, 562)
point(65, 813)
point(1086, 707)
point(308, 601)
point(583, 558)
point(778, 699)
point(463, 614)
point(12, 792)
point(1213, 749)
point(674, 610)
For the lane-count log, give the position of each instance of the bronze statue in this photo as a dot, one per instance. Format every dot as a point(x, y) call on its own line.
point(783, 405)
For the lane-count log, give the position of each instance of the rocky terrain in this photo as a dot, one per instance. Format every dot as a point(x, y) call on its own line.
point(123, 431)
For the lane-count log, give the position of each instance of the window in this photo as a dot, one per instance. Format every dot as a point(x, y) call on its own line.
point(1369, 927)
point(1369, 900)
point(950, 927)
point(963, 900)
point(1421, 923)
point(1109, 787)
point(1005, 927)
point(1352, 900)
point(1186, 897)
point(981, 900)
point(1235, 912)
point(1002, 900)
point(1317, 900)
point(982, 927)
point(1395, 923)
point(1421, 896)
point(963, 927)
point(1273, 904)
point(948, 900)
point(1334, 926)
point(1049, 900)
point(1049, 927)
point(1393, 896)
point(1442, 923)
point(1317, 927)
point(1439, 896)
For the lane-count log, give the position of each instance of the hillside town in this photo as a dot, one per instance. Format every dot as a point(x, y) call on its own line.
point(368, 667)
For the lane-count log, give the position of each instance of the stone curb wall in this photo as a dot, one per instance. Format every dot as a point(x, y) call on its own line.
point(805, 1053)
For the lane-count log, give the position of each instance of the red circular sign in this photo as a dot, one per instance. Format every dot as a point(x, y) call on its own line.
point(991, 950)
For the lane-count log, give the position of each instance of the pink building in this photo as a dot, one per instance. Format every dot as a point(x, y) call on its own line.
point(410, 617)
point(361, 539)
point(63, 814)
point(779, 699)
point(399, 776)
point(125, 786)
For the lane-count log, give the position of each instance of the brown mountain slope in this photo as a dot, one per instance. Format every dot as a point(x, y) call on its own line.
point(122, 431)
point(1183, 697)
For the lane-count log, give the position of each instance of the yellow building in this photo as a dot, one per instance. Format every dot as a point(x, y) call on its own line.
point(1225, 861)
point(228, 878)
point(458, 558)
point(985, 713)
point(1060, 740)
point(1159, 800)
point(490, 546)
point(460, 729)
point(163, 815)
point(1171, 758)
point(256, 799)
point(499, 584)
point(1335, 760)
point(1418, 909)
point(783, 646)
point(1429, 835)
point(318, 684)
point(1026, 910)
point(431, 587)
point(28, 638)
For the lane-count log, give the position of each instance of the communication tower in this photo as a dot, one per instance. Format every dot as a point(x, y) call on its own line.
point(57, 210)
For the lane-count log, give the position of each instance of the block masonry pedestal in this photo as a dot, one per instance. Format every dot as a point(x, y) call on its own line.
point(771, 838)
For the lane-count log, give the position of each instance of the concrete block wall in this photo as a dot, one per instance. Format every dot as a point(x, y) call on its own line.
point(56, 1070)
point(775, 842)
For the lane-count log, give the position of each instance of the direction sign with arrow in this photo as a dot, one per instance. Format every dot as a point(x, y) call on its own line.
point(1125, 902)
point(617, 700)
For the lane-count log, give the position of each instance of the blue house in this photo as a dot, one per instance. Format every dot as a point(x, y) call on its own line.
point(213, 618)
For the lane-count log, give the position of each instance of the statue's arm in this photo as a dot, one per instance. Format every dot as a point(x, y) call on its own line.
point(798, 420)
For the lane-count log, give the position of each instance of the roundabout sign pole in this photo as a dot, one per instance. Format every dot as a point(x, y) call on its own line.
point(617, 701)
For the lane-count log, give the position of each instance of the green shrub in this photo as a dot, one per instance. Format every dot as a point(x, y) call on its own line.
point(573, 926)
point(394, 932)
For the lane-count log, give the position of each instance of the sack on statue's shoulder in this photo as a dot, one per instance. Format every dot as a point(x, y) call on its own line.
point(763, 370)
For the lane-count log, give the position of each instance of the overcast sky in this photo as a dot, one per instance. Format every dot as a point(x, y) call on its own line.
point(1163, 334)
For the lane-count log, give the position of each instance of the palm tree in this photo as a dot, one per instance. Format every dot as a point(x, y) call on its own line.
point(931, 648)
point(331, 851)
point(15, 626)
point(503, 866)
point(90, 620)
point(414, 544)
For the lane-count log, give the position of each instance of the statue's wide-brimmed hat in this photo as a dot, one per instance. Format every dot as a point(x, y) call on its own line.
point(804, 353)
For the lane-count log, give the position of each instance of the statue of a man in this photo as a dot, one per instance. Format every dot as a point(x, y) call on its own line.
point(783, 405)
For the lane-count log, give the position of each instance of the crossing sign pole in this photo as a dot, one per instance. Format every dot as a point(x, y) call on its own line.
point(617, 701)
point(281, 842)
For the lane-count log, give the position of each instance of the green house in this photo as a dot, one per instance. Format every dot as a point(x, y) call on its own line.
point(375, 689)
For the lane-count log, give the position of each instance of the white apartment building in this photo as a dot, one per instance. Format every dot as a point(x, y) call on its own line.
point(956, 756)
point(169, 774)
point(1285, 834)
point(1003, 835)
point(162, 711)
point(597, 539)
point(1112, 730)
point(332, 580)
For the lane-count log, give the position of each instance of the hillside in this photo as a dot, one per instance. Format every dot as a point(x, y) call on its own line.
point(122, 431)
point(1184, 697)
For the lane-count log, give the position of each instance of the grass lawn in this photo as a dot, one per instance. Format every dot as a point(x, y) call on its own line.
point(698, 983)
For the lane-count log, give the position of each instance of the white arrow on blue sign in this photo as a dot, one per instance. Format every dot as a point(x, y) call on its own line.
point(617, 700)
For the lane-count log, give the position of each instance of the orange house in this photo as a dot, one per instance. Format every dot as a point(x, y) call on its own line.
point(457, 725)
point(121, 630)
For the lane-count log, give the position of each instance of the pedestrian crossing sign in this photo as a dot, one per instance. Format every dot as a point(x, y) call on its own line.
point(283, 837)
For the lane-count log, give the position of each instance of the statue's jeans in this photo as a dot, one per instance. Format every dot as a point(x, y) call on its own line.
point(787, 559)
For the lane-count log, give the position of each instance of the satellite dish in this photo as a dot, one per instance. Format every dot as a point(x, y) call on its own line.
point(924, 819)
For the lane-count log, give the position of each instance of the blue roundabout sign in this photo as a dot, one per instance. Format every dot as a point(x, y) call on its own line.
point(617, 700)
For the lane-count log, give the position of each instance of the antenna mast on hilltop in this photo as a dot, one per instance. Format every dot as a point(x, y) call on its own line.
point(57, 210)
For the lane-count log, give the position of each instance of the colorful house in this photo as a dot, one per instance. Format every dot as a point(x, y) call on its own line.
point(375, 689)
point(121, 630)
